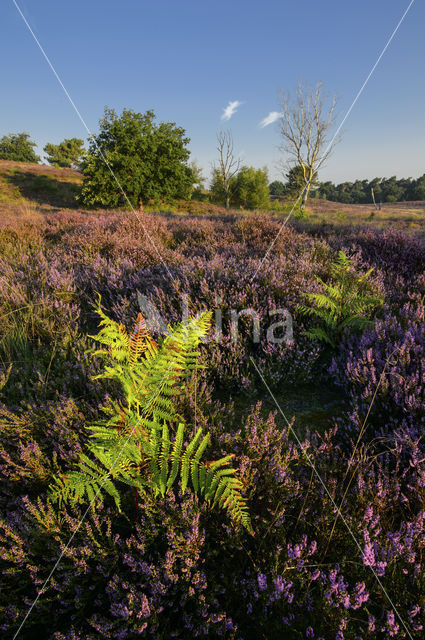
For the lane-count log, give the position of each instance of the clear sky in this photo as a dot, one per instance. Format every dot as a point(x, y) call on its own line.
point(187, 60)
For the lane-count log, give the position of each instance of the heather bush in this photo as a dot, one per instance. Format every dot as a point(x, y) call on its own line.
point(183, 571)
point(386, 366)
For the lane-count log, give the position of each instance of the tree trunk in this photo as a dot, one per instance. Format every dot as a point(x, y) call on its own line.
point(305, 196)
point(227, 201)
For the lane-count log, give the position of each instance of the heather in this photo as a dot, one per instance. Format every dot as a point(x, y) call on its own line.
point(174, 567)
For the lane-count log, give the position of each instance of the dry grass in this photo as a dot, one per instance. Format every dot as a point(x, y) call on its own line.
point(402, 215)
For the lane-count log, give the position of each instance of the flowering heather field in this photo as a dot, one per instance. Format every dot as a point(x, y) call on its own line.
point(177, 569)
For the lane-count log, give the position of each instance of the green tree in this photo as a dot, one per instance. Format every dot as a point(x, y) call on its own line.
point(250, 188)
point(148, 160)
point(217, 191)
point(19, 147)
point(198, 176)
point(277, 188)
point(392, 190)
point(295, 181)
point(418, 189)
point(68, 153)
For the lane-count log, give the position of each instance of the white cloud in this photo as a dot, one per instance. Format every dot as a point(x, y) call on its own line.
point(230, 109)
point(272, 117)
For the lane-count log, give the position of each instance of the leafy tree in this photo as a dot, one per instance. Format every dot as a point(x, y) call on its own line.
point(68, 153)
point(277, 188)
point(418, 189)
point(218, 193)
point(141, 441)
point(328, 190)
point(345, 302)
point(295, 181)
point(198, 176)
point(250, 188)
point(148, 160)
point(392, 190)
point(19, 147)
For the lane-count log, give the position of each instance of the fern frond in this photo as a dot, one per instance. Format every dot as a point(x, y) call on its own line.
point(134, 444)
point(341, 304)
point(317, 333)
point(113, 335)
point(140, 340)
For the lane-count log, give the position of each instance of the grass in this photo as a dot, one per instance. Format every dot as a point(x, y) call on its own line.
point(28, 183)
point(402, 215)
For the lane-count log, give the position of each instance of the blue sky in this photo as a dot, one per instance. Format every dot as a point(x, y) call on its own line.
point(187, 60)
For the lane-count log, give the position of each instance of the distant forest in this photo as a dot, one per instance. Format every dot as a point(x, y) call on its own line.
point(360, 191)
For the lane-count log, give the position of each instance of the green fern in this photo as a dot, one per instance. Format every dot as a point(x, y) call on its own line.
point(347, 302)
point(135, 444)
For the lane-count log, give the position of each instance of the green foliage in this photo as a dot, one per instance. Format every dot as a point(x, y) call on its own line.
point(68, 153)
point(199, 192)
point(295, 182)
point(141, 442)
point(217, 190)
point(250, 188)
point(149, 161)
point(346, 302)
point(277, 188)
point(384, 190)
point(198, 176)
point(18, 147)
point(4, 376)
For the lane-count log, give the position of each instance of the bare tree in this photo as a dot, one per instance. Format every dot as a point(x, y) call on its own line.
point(228, 164)
point(304, 126)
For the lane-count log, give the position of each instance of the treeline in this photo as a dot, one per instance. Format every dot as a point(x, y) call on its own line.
point(358, 192)
point(382, 189)
point(150, 162)
point(20, 148)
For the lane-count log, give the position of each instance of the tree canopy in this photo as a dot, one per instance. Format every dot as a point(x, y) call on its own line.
point(277, 188)
point(250, 188)
point(18, 147)
point(68, 153)
point(147, 159)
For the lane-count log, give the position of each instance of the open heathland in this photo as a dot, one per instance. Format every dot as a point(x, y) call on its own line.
point(335, 498)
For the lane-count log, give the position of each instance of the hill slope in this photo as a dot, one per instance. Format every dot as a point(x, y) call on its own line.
point(25, 182)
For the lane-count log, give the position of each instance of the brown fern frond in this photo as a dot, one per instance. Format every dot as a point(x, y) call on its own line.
point(140, 340)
